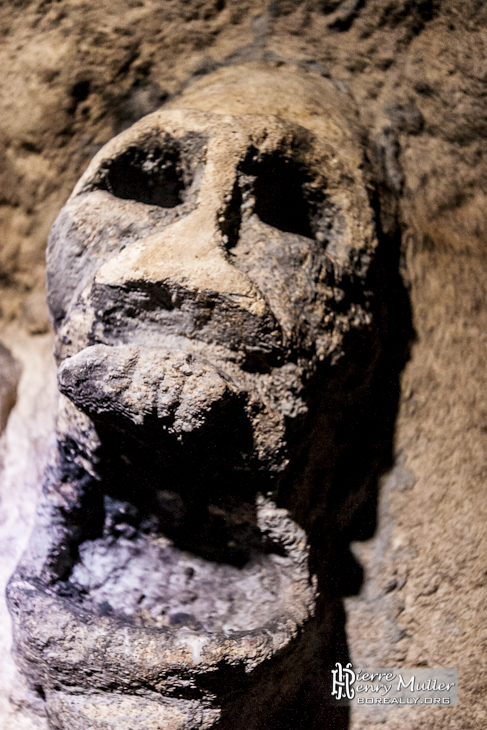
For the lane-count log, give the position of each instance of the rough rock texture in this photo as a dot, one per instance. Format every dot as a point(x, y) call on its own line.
point(10, 370)
point(416, 69)
point(423, 601)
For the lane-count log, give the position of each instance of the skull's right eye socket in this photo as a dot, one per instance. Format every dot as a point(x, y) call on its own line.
point(153, 174)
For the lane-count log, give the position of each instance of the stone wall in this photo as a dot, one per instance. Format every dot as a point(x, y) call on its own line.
point(75, 75)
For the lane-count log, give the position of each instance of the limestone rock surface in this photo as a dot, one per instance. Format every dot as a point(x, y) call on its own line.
point(416, 71)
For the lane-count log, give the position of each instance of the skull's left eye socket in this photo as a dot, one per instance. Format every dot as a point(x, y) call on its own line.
point(154, 172)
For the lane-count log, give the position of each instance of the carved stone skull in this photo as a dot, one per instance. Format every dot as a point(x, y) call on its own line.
point(205, 280)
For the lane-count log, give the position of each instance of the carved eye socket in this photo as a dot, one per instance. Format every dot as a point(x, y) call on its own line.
point(279, 186)
point(154, 172)
point(282, 194)
point(153, 177)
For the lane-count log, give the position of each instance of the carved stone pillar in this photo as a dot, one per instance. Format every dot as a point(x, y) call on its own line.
point(210, 282)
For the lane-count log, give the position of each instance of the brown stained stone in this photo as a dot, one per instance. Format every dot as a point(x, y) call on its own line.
point(212, 284)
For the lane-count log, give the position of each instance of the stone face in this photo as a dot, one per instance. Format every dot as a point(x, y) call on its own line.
point(211, 282)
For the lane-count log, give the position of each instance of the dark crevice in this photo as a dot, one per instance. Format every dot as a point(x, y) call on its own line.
point(282, 193)
point(81, 90)
point(157, 171)
point(346, 15)
point(230, 219)
point(79, 93)
point(279, 199)
point(152, 482)
point(328, 6)
point(38, 689)
point(414, 14)
point(154, 178)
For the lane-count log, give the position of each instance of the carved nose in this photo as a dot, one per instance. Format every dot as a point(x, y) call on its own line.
point(190, 252)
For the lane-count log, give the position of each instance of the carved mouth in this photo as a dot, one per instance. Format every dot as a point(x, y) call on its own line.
point(178, 545)
point(181, 536)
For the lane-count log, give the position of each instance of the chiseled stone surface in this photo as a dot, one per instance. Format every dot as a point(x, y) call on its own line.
point(212, 286)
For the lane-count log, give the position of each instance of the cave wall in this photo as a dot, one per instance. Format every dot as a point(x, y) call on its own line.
point(75, 74)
